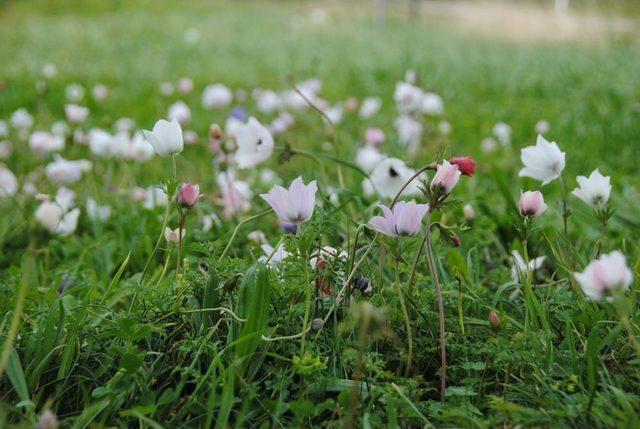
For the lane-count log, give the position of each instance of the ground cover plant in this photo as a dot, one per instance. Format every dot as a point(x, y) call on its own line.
point(281, 215)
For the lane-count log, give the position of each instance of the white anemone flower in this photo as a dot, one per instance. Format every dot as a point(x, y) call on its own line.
point(255, 144)
point(543, 162)
point(594, 190)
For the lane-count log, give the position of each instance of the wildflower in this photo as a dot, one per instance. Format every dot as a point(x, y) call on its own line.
point(65, 171)
point(48, 420)
point(369, 107)
point(405, 219)
point(494, 319)
point(389, 176)
point(532, 203)
point(185, 85)
point(76, 114)
point(468, 212)
point(518, 266)
point(466, 164)
point(367, 157)
point(255, 144)
point(97, 212)
point(216, 96)
point(326, 253)
point(277, 255)
point(446, 177)
point(154, 197)
point(409, 132)
point(174, 235)
point(604, 275)
point(543, 162)
point(257, 236)
point(542, 126)
point(74, 92)
point(166, 88)
point(431, 104)
point(21, 120)
point(267, 101)
point(139, 148)
point(374, 136)
point(49, 70)
point(100, 92)
point(124, 125)
point(179, 112)
point(166, 137)
point(43, 143)
point(281, 123)
point(594, 190)
point(48, 214)
point(8, 182)
point(502, 132)
point(295, 205)
point(189, 195)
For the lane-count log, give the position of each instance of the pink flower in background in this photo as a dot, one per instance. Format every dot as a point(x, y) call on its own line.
point(405, 219)
point(189, 195)
point(446, 178)
point(295, 205)
point(532, 203)
point(605, 274)
point(374, 136)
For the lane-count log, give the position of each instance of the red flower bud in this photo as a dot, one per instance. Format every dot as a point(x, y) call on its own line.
point(466, 164)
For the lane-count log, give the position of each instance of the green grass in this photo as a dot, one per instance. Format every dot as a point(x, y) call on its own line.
point(114, 351)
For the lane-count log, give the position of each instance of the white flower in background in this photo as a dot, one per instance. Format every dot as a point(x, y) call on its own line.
point(388, 177)
point(293, 101)
point(431, 104)
point(139, 148)
point(43, 143)
point(604, 275)
point(367, 188)
point(4, 129)
point(408, 98)
point(231, 126)
point(185, 85)
point(174, 235)
point(8, 182)
point(519, 267)
point(124, 125)
point(100, 142)
point(76, 114)
point(367, 157)
point(267, 101)
point(543, 162)
point(21, 120)
point(502, 132)
point(209, 220)
point(334, 113)
point(166, 137)
point(180, 112)
point(489, 145)
point(269, 177)
point(216, 96)
point(409, 132)
point(444, 127)
point(468, 212)
point(97, 212)
point(327, 254)
point(100, 92)
point(236, 194)
point(5, 149)
point(65, 198)
point(166, 89)
point(257, 237)
point(594, 190)
point(281, 123)
point(370, 106)
point(49, 70)
point(542, 126)
point(49, 214)
point(74, 92)
point(60, 129)
point(277, 255)
point(255, 144)
point(67, 172)
point(190, 137)
point(192, 36)
point(310, 87)
point(154, 197)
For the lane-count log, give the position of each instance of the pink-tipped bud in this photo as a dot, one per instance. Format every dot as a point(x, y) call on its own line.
point(189, 195)
point(374, 136)
point(494, 319)
point(532, 203)
point(446, 178)
point(466, 164)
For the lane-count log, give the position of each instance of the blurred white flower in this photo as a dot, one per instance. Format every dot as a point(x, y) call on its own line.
point(216, 96)
point(257, 236)
point(43, 143)
point(594, 190)
point(76, 114)
point(370, 106)
point(180, 112)
point(367, 157)
point(166, 89)
point(4, 129)
point(139, 148)
point(267, 101)
point(489, 145)
point(542, 126)
point(408, 98)
point(543, 162)
point(100, 142)
point(277, 255)
point(66, 172)
point(192, 36)
point(49, 70)
point(74, 92)
point(502, 132)
point(409, 132)
point(97, 212)
point(174, 235)
point(124, 125)
point(166, 137)
point(190, 137)
point(604, 275)
point(334, 113)
point(268, 177)
point(388, 177)
point(8, 182)
point(65, 198)
point(5, 149)
point(100, 92)
point(468, 212)
point(444, 127)
point(255, 144)
point(281, 123)
point(21, 120)
point(185, 85)
point(49, 214)
point(431, 104)
point(60, 129)
point(154, 197)
point(209, 220)
point(519, 267)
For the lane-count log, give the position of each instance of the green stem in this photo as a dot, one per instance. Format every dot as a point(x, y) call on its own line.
point(407, 321)
point(235, 231)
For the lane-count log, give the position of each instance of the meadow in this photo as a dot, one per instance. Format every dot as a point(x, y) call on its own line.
point(307, 308)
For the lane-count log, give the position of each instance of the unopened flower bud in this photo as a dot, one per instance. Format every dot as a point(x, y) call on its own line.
point(216, 132)
point(468, 211)
point(494, 319)
point(189, 195)
point(317, 324)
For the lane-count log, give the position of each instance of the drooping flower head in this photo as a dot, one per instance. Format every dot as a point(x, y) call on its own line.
point(594, 190)
point(543, 162)
point(532, 203)
point(295, 205)
point(446, 177)
point(405, 219)
point(166, 137)
point(604, 275)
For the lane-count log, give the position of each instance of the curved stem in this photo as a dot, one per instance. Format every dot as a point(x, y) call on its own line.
point(235, 231)
point(419, 172)
point(155, 248)
point(436, 283)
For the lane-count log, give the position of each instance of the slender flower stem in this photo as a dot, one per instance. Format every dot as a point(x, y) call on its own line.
point(180, 228)
point(419, 172)
point(235, 231)
point(436, 283)
point(155, 248)
point(565, 207)
point(407, 321)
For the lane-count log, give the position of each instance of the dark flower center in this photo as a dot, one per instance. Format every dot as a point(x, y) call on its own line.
point(392, 172)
